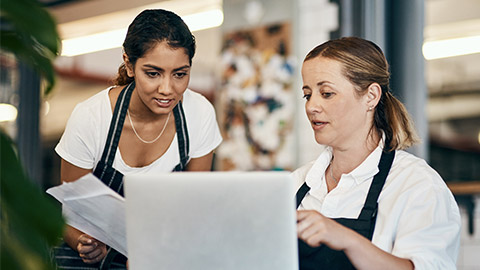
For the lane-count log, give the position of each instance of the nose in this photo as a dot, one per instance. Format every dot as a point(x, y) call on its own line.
point(313, 105)
point(165, 86)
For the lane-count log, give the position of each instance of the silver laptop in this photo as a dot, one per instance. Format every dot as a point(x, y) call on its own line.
point(211, 220)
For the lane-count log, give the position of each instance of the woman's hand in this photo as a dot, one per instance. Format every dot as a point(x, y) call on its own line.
point(315, 229)
point(90, 249)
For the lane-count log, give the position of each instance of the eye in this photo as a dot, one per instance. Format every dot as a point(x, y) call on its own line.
point(180, 75)
point(327, 94)
point(307, 96)
point(152, 74)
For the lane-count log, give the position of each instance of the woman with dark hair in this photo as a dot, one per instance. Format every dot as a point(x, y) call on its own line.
point(365, 203)
point(169, 127)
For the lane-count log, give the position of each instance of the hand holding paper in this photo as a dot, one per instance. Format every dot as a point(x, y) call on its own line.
point(93, 208)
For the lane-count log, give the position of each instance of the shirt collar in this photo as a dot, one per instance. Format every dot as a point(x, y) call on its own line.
point(316, 172)
point(366, 170)
point(369, 167)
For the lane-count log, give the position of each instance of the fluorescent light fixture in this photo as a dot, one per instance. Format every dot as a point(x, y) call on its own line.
point(8, 112)
point(451, 47)
point(93, 43)
point(204, 20)
point(114, 39)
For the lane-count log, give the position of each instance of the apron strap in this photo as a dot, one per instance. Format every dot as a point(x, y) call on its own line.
point(182, 137)
point(301, 193)
point(370, 207)
point(116, 126)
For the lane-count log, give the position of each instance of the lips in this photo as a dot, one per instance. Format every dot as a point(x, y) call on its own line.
point(316, 125)
point(163, 102)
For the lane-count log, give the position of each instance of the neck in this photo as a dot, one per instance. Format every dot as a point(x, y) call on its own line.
point(346, 159)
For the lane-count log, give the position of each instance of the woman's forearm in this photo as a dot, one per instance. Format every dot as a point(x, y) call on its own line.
point(71, 236)
point(365, 255)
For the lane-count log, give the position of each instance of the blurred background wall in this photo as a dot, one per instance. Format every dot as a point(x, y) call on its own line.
point(247, 64)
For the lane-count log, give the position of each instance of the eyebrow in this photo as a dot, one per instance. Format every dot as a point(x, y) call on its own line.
point(318, 84)
point(161, 69)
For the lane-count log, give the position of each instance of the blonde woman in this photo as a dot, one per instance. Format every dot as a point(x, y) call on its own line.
point(365, 203)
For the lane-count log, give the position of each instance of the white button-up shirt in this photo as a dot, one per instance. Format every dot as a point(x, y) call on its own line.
point(418, 218)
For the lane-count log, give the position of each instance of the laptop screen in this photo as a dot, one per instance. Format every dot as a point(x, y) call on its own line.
point(211, 220)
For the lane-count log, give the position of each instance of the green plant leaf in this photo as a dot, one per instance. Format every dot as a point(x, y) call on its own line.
point(27, 50)
point(29, 32)
point(30, 18)
point(17, 256)
point(30, 221)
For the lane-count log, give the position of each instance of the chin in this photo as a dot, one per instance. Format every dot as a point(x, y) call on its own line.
point(322, 140)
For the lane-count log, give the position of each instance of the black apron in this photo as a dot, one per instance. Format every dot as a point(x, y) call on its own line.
point(325, 258)
point(65, 256)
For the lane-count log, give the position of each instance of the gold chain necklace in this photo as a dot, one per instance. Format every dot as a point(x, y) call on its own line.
point(138, 136)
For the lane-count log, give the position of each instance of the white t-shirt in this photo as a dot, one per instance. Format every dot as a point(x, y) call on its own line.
point(86, 133)
point(417, 218)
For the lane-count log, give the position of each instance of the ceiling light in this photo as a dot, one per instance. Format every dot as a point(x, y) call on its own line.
point(451, 47)
point(114, 39)
point(8, 112)
point(204, 20)
point(93, 43)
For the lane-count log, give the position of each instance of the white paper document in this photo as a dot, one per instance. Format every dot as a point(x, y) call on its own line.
point(93, 208)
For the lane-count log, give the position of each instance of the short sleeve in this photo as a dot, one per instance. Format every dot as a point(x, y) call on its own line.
point(79, 142)
point(203, 132)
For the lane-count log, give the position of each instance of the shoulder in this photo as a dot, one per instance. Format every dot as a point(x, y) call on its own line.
point(193, 100)
point(415, 171)
point(412, 179)
point(198, 110)
point(299, 175)
point(94, 104)
point(202, 125)
point(315, 168)
point(93, 112)
point(82, 139)
point(302, 171)
point(415, 191)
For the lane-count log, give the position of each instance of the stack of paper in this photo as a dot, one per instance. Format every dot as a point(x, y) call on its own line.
point(93, 208)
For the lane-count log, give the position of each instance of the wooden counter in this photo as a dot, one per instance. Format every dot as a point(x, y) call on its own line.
point(464, 187)
point(464, 193)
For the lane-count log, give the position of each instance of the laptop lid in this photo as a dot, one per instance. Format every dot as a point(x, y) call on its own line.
point(211, 220)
